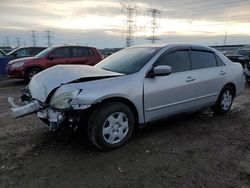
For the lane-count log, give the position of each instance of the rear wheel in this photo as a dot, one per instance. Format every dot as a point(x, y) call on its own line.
point(32, 72)
point(111, 125)
point(224, 101)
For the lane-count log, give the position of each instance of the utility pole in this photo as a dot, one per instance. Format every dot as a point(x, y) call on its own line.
point(33, 37)
point(7, 41)
point(18, 41)
point(153, 13)
point(130, 11)
point(225, 39)
point(48, 36)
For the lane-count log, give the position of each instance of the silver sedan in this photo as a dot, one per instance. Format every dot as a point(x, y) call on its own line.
point(131, 88)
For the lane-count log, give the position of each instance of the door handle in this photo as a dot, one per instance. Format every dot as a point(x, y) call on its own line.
point(190, 79)
point(222, 72)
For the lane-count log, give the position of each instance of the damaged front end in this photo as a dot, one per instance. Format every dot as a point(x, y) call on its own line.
point(54, 94)
point(29, 105)
point(55, 112)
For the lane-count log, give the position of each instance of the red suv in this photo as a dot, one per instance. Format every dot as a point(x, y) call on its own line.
point(26, 68)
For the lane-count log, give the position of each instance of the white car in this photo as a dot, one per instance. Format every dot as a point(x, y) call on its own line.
point(130, 88)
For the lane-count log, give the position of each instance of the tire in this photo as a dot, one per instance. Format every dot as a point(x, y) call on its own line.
point(225, 101)
point(111, 125)
point(31, 72)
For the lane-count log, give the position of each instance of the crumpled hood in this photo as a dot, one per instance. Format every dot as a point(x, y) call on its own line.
point(25, 59)
point(44, 82)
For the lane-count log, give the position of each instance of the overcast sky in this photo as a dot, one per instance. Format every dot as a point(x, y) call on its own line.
point(103, 23)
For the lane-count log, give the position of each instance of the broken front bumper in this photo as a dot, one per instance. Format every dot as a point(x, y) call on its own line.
point(53, 119)
point(19, 111)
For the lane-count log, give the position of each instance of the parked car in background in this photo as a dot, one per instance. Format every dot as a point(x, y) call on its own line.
point(3, 62)
point(2, 53)
point(26, 68)
point(18, 53)
point(244, 52)
point(132, 87)
point(25, 52)
point(241, 56)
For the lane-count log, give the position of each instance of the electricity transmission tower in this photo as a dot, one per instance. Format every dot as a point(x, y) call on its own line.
point(153, 13)
point(48, 36)
point(130, 11)
point(7, 41)
point(225, 39)
point(33, 38)
point(18, 41)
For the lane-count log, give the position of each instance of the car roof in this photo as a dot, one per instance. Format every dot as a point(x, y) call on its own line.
point(25, 47)
point(72, 46)
point(244, 49)
point(173, 45)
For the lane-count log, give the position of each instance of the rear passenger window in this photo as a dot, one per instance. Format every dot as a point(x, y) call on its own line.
point(178, 60)
point(81, 52)
point(202, 60)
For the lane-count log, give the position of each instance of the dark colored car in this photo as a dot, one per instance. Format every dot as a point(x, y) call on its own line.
point(18, 53)
point(25, 52)
point(3, 62)
point(2, 54)
point(241, 56)
point(26, 68)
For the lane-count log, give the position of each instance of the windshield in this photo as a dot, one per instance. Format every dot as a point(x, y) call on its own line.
point(44, 53)
point(12, 51)
point(2, 54)
point(128, 61)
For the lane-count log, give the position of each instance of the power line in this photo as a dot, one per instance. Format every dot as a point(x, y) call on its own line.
point(130, 11)
point(153, 13)
point(7, 41)
point(18, 41)
point(210, 8)
point(225, 39)
point(33, 37)
point(48, 36)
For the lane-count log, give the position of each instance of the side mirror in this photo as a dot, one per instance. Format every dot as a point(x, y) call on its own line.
point(161, 70)
point(51, 57)
point(14, 54)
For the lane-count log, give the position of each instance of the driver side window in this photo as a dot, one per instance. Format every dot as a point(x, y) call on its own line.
point(179, 61)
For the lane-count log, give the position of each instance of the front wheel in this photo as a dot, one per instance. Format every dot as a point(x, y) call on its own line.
point(111, 125)
point(224, 101)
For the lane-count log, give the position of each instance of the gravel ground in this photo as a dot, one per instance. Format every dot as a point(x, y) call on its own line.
point(200, 150)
